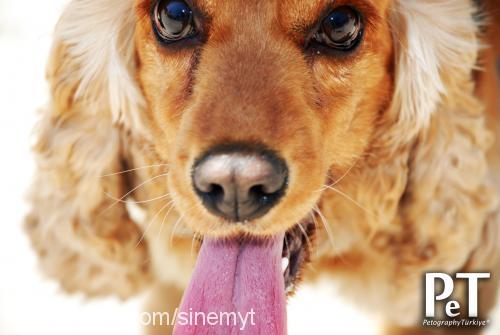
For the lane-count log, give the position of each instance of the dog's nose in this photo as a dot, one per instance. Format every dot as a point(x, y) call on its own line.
point(238, 185)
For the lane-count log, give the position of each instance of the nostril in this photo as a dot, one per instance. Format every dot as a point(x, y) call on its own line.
point(257, 192)
point(215, 191)
point(261, 194)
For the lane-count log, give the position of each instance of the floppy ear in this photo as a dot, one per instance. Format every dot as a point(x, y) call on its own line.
point(83, 239)
point(436, 45)
point(435, 136)
point(449, 198)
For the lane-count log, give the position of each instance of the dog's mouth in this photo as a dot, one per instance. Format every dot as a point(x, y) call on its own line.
point(297, 246)
point(248, 277)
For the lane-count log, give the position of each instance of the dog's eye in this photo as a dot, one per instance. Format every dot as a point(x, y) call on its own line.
point(341, 29)
point(173, 20)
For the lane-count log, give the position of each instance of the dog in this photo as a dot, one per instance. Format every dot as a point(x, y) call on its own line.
point(359, 134)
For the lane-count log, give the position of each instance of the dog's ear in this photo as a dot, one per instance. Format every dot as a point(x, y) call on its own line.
point(83, 238)
point(435, 45)
point(448, 195)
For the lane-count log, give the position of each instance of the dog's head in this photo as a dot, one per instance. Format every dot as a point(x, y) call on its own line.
point(254, 102)
point(255, 105)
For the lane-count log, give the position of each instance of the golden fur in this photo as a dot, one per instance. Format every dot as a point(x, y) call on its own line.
point(395, 131)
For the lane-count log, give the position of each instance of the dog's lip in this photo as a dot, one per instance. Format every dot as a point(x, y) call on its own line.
point(296, 252)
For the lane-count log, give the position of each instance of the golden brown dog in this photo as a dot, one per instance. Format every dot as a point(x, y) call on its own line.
point(365, 118)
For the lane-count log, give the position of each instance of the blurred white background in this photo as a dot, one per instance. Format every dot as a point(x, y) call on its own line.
point(29, 303)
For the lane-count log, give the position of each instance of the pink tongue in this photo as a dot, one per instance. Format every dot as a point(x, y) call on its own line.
point(235, 289)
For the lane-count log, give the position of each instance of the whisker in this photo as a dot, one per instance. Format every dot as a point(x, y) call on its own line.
point(287, 247)
point(305, 235)
point(163, 220)
point(345, 195)
point(176, 224)
point(344, 175)
point(341, 177)
point(151, 222)
point(315, 227)
point(135, 169)
point(314, 220)
point(330, 234)
point(326, 225)
point(136, 202)
point(192, 243)
point(174, 228)
point(134, 189)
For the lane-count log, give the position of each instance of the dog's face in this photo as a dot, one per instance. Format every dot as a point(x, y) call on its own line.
point(254, 104)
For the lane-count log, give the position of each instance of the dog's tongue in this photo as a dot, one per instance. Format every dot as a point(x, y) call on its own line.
point(236, 288)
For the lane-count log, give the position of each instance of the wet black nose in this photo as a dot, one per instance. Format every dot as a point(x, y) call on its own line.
point(240, 185)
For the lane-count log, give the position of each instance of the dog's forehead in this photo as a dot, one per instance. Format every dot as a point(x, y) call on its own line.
point(293, 13)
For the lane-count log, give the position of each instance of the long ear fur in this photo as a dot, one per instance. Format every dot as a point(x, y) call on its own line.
point(447, 217)
point(449, 211)
point(81, 239)
point(437, 48)
point(435, 43)
point(99, 37)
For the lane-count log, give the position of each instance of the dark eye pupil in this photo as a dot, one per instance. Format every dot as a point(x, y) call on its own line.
point(341, 27)
point(173, 19)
